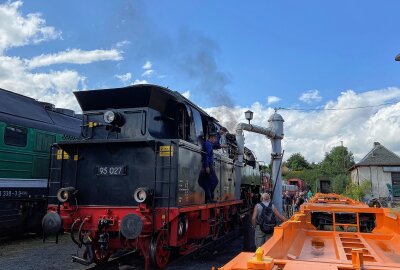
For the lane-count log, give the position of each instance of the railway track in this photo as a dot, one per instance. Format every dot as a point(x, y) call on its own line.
point(130, 260)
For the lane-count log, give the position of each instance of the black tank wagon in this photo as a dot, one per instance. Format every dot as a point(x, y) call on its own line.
point(132, 181)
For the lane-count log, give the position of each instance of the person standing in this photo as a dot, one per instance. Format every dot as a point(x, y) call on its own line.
point(300, 200)
point(295, 199)
point(209, 181)
point(287, 203)
point(221, 142)
point(309, 194)
point(261, 235)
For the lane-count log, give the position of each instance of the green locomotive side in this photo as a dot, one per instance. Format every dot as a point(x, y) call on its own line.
point(24, 152)
point(24, 169)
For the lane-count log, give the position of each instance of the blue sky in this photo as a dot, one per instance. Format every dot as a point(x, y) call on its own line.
point(263, 48)
point(240, 54)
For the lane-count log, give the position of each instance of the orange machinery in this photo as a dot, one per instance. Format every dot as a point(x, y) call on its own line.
point(330, 232)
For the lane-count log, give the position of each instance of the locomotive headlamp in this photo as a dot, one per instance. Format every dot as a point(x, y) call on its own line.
point(109, 117)
point(63, 194)
point(113, 118)
point(141, 195)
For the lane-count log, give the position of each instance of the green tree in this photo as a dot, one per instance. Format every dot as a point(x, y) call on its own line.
point(310, 176)
point(337, 161)
point(339, 183)
point(265, 168)
point(357, 192)
point(297, 162)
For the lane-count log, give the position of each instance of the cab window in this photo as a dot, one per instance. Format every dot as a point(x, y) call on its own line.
point(15, 136)
point(198, 126)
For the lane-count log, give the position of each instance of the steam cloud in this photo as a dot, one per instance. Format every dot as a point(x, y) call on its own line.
point(191, 55)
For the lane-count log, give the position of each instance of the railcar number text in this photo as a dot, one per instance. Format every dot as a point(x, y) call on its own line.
point(13, 193)
point(111, 170)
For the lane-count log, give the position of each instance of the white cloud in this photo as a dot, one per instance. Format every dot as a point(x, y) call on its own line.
point(140, 82)
point(122, 43)
point(54, 86)
point(17, 30)
point(74, 56)
point(314, 133)
point(272, 99)
point(310, 96)
point(16, 73)
point(147, 65)
point(186, 94)
point(148, 73)
point(124, 77)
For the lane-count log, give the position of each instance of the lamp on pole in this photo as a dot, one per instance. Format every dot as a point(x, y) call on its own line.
point(397, 57)
point(249, 115)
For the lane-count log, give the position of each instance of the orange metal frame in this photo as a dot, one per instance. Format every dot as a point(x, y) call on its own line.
point(297, 244)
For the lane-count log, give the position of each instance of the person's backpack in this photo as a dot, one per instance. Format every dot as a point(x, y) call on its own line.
point(267, 220)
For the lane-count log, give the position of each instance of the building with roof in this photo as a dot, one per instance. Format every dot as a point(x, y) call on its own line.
point(380, 166)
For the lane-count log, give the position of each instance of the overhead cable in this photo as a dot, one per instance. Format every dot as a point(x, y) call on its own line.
point(337, 109)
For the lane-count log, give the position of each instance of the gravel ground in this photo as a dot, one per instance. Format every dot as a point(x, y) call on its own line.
point(32, 254)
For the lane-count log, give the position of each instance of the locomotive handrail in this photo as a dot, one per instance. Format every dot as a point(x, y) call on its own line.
point(193, 148)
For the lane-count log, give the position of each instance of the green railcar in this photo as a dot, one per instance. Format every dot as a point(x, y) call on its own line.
point(27, 130)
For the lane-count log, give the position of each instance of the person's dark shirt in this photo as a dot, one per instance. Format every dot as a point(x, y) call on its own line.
point(300, 201)
point(208, 157)
point(288, 199)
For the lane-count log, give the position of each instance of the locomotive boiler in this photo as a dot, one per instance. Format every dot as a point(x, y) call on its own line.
point(132, 181)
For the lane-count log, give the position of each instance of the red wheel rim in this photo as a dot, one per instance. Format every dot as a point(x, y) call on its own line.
point(160, 250)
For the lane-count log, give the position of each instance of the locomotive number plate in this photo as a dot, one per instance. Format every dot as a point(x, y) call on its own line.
point(111, 170)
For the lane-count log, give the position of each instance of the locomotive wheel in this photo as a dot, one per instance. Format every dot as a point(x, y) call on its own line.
point(160, 250)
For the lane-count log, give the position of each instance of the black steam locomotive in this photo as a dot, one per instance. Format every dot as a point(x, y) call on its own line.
point(132, 181)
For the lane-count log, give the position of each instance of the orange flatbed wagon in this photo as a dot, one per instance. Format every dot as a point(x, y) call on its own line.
point(330, 232)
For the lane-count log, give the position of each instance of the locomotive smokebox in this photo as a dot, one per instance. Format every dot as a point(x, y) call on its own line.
point(131, 226)
point(51, 223)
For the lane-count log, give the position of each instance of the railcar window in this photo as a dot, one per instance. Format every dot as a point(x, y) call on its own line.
point(15, 136)
point(183, 124)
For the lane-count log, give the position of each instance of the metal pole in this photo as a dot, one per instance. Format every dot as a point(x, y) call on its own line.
point(276, 156)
